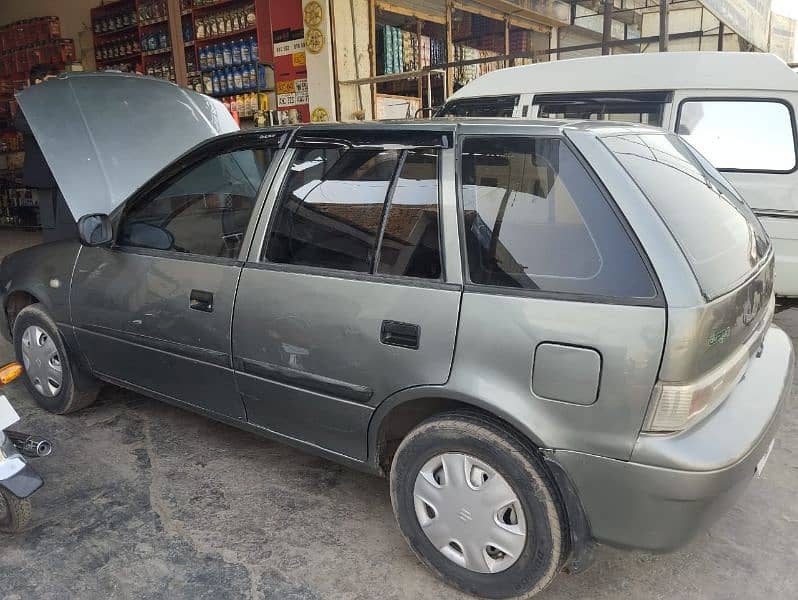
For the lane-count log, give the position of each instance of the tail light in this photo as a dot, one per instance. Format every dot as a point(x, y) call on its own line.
point(676, 406)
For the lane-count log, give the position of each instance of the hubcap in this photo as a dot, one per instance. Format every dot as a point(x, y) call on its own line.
point(41, 360)
point(470, 513)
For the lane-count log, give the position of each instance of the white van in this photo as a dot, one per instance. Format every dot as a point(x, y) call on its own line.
point(737, 109)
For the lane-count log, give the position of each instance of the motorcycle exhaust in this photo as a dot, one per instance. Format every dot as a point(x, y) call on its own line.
point(31, 446)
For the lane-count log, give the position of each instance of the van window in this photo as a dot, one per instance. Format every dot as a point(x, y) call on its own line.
point(634, 107)
point(490, 106)
point(534, 219)
point(740, 135)
point(718, 234)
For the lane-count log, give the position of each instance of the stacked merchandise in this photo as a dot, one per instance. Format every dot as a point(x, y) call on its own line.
point(24, 44)
point(402, 51)
point(19, 207)
point(466, 73)
point(225, 22)
point(390, 40)
point(231, 67)
point(117, 48)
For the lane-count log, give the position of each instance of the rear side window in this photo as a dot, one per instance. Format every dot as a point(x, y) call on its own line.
point(740, 135)
point(358, 210)
point(534, 219)
point(634, 107)
point(719, 235)
point(491, 106)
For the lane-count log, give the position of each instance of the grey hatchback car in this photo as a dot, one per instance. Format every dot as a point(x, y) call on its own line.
point(546, 334)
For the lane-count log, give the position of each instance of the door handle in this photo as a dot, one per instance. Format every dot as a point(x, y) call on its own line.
point(403, 335)
point(201, 300)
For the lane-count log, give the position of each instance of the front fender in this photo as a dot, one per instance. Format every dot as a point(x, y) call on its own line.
point(44, 272)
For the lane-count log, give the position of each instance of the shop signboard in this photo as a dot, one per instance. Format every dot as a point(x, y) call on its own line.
point(747, 18)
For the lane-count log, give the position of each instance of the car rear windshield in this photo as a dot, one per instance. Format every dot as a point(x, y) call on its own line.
point(717, 232)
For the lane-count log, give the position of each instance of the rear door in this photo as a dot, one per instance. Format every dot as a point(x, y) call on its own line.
point(347, 300)
point(153, 312)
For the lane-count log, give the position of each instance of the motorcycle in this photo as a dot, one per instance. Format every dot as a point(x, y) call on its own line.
point(18, 480)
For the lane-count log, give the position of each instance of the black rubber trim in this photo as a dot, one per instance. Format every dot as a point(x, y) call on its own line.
point(774, 213)
point(213, 357)
point(304, 380)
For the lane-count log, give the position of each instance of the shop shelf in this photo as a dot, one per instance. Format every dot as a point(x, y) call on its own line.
point(105, 34)
point(227, 36)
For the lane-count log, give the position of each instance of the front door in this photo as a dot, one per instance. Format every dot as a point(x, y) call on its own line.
point(348, 300)
point(153, 312)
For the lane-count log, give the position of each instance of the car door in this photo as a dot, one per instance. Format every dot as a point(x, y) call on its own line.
point(153, 311)
point(347, 300)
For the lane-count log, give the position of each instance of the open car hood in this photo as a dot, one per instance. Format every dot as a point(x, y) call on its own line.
point(106, 134)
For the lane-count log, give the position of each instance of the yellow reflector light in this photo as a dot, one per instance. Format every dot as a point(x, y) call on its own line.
point(10, 372)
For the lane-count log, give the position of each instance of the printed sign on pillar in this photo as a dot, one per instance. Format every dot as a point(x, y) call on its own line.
point(320, 88)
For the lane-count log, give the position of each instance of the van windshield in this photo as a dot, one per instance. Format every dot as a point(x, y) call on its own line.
point(719, 235)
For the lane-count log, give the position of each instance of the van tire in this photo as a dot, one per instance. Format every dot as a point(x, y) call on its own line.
point(69, 398)
point(545, 548)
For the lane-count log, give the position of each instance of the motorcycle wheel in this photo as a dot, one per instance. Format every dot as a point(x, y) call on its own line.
point(14, 512)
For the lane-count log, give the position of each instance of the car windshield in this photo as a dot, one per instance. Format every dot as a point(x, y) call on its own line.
point(717, 232)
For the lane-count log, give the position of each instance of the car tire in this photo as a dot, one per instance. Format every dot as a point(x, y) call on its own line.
point(40, 349)
point(433, 503)
point(14, 512)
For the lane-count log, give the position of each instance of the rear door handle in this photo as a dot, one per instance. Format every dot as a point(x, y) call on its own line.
point(201, 300)
point(403, 335)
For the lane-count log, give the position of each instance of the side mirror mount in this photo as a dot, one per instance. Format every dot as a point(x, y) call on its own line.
point(95, 230)
point(146, 235)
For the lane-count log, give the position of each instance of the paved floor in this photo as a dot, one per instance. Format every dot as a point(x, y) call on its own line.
point(147, 501)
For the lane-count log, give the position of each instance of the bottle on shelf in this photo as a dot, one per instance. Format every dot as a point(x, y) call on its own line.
point(236, 52)
point(253, 48)
point(227, 54)
point(246, 56)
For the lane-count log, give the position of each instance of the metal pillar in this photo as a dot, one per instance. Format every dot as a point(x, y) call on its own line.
point(721, 33)
point(607, 34)
point(663, 25)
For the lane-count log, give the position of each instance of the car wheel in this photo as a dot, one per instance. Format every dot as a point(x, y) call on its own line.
point(48, 367)
point(14, 512)
point(477, 507)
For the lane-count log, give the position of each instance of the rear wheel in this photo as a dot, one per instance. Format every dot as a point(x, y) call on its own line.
point(14, 512)
point(477, 507)
point(48, 366)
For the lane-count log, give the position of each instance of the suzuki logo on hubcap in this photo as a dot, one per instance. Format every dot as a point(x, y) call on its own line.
point(464, 514)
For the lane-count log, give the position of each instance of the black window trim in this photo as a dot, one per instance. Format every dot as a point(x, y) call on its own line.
point(771, 100)
point(657, 301)
point(217, 146)
point(441, 282)
point(441, 113)
point(661, 97)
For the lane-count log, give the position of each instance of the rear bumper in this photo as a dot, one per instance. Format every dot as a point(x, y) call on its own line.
point(677, 485)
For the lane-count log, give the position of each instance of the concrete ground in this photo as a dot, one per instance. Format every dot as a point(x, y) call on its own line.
point(143, 500)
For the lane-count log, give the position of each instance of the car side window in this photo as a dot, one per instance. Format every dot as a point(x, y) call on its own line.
point(204, 210)
point(359, 210)
point(534, 219)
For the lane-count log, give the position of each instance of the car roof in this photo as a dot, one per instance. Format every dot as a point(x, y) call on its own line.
point(396, 129)
point(648, 71)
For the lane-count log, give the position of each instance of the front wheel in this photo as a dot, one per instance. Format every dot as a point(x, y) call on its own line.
point(48, 366)
point(477, 507)
point(14, 512)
